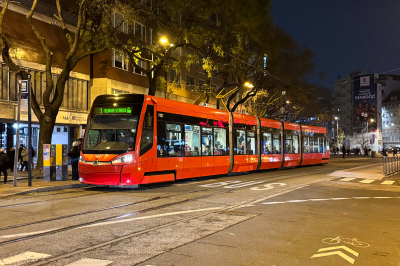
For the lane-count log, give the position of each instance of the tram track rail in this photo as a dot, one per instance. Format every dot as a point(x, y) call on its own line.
point(123, 205)
point(58, 230)
point(50, 260)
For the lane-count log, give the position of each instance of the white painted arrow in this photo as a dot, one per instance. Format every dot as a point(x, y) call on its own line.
point(341, 254)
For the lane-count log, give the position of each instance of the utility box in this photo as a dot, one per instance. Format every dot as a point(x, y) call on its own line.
point(61, 162)
point(49, 162)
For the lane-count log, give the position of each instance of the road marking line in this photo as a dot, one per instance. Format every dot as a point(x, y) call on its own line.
point(387, 182)
point(383, 197)
point(275, 202)
point(90, 262)
point(296, 200)
point(151, 216)
point(318, 199)
point(347, 179)
point(29, 234)
point(338, 198)
point(367, 181)
point(361, 197)
point(341, 254)
point(31, 256)
point(337, 247)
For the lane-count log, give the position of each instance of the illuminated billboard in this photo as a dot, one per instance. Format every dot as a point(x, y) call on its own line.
point(365, 103)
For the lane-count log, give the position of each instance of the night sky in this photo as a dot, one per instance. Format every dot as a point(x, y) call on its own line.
point(344, 34)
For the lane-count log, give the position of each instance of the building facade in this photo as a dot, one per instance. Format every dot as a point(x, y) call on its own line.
point(391, 120)
point(104, 73)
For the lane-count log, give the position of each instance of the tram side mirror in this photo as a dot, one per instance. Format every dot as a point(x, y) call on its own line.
point(148, 121)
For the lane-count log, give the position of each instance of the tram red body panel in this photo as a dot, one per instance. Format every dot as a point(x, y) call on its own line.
point(247, 162)
point(314, 157)
point(270, 161)
point(149, 167)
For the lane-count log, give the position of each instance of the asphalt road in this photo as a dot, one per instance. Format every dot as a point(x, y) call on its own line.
point(298, 216)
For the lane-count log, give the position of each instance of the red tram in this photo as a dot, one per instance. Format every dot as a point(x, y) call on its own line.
point(134, 139)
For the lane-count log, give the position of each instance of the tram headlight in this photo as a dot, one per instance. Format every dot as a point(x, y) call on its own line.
point(81, 159)
point(127, 158)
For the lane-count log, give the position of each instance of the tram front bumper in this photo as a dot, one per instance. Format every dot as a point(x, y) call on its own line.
point(108, 175)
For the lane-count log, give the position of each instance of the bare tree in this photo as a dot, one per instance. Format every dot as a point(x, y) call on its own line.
point(86, 39)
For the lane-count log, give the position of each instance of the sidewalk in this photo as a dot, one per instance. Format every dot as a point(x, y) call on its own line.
point(38, 185)
point(372, 171)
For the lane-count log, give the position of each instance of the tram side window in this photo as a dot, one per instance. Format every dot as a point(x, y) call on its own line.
point(220, 147)
point(321, 143)
point(316, 143)
point(311, 144)
point(146, 141)
point(240, 148)
point(192, 143)
point(173, 140)
point(251, 143)
point(306, 145)
point(206, 141)
point(266, 143)
point(288, 144)
point(296, 146)
point(276, 148)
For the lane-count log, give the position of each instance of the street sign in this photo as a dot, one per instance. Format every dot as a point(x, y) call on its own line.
point(24, 86)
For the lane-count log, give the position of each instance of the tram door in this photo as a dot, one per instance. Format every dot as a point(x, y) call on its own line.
point(147, 154)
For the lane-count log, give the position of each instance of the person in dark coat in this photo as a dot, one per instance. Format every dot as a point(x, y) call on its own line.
point(74, 153)
point(11, 158)
point(21, 147)
point(344, 151)
point(3, 164)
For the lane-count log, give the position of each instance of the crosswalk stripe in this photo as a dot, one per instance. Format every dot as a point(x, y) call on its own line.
point(367, 181)
point(347, 179)
point(90, 262)
point(31, 256)
point(387, 182)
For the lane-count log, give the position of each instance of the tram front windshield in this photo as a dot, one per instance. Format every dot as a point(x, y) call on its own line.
point(112, 129)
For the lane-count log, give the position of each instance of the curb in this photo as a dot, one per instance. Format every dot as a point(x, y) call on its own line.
point(47, 189)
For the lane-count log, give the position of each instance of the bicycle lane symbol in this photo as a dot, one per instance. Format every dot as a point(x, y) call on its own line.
point(350, 241)
point(337, 250)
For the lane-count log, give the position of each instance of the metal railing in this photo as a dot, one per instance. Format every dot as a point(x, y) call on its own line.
point(391, 165)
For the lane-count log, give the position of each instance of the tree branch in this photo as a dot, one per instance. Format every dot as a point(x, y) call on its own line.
point(63, 26)
point(49, 57)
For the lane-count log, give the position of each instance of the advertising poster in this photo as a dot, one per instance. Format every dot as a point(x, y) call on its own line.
point(365, 103)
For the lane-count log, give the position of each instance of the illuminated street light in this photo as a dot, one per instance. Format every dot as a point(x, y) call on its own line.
point(163, 40)
point(249, 85)
point(287, 102)
point(372, 120)
point(336, 118)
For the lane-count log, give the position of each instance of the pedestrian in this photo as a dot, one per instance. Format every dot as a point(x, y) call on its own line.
point(11, 158)
point(74, 154)
point(394, 151)
point(33, 155)
point(80, 141)
point(334, 151)
point(24, 155)
point(3, 164)
point(19, 156)
point(365, 152)
point(368, 152)
point(344, 151)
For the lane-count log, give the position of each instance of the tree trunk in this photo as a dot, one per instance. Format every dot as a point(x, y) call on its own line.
point(152, 85)
point(45, 133)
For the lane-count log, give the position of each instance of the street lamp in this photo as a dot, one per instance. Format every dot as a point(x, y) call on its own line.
point(249, 85)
